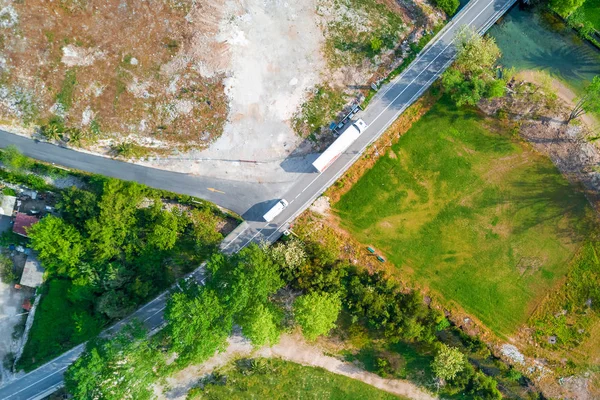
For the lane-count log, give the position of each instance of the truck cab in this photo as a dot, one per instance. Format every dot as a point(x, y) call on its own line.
point(275, 210)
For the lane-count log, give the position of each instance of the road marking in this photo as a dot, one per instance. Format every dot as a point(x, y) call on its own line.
point(215, 190)
point(403, 108)
point(159, 311)
point(38, 381)
point(412, 67)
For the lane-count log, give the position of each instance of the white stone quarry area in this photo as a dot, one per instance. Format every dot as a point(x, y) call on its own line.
point(272, 58)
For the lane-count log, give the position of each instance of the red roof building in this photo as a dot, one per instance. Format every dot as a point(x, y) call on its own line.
point(22, 222)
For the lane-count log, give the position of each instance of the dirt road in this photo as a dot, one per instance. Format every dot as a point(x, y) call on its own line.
point(291, 348)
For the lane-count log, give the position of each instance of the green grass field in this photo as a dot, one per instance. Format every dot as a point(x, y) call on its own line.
point(476, 216)
point(276, 379)
point(591, 9)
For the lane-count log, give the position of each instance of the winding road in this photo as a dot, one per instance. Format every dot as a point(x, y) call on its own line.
point(248, 199)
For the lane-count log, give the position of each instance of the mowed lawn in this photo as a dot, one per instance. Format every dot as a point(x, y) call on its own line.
point(476, 216)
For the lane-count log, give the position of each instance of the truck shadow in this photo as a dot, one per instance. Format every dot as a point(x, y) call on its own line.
point(299, 163)
point(256, 212)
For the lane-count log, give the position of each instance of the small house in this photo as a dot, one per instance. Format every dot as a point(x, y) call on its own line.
point(23, 222)
point(33, 273)
point(7, 205)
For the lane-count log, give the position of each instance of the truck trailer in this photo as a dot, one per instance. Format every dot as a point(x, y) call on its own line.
point(340, 145)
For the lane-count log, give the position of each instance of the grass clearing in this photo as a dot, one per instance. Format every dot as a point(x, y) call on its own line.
point(570, 315)
point(591, 10)
point(272, 378)
point(463, 208)
point(65, 96)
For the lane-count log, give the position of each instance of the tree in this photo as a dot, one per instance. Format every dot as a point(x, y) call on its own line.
point(113, 231)
point(205, 224)
point(164, 231)
point(484, 387)
point(197, 322)
point(77, 206)
point(316, 313)
point(60, 245)
point(260, 324)
point(14, 160)
point(289, 256)
point(448, 362)
point(472, 76)
point(565, 7)
point(124, 367)
point(7, 273)
point(476, 55)
point(589, 101)
point(448, 6)
point(248, 277)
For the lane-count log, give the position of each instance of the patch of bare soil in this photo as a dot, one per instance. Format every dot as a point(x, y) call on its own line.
point(129, 71)
point(291, 348)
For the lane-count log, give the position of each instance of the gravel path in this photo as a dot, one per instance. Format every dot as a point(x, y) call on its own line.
point(291, 348)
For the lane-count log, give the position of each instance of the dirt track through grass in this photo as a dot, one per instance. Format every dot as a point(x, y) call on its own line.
point(461, 207)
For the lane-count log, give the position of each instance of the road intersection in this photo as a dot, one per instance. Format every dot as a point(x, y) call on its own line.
point(248, 199)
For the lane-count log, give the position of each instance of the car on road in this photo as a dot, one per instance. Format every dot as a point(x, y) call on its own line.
point(275, 210)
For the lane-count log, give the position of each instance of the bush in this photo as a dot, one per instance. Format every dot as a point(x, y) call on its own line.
point(7, 273)
point(14, 160)
point(448, 6)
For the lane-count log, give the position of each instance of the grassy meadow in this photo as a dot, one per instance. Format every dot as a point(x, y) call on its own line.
point(463, 208)
point(273, 378)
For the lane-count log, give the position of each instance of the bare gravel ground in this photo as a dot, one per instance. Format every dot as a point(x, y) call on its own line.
point(273, 57)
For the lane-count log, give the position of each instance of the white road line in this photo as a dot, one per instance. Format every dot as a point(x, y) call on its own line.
point(443, 32)
point(353, 159)
point(159, 311)
point(412, 67)
point(38, 381)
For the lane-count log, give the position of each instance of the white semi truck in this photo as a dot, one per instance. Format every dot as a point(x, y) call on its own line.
point(340, 145)
point(275, 210)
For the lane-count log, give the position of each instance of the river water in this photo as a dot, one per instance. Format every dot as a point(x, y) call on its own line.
point(531, 39)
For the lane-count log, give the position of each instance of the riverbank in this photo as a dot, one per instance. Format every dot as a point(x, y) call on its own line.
point(565, 93)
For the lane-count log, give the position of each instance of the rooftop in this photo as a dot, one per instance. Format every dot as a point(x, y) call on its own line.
point(7, 205)
point(33, 273)
point(22, 222)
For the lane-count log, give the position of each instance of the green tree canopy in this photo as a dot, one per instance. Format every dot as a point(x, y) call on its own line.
point(316, 313)
point(448, 362)
point(448, 6)
point(14, 160)
point(60, 245)
point(249, 277)
point(197, 322)
point(566, 7)
point(124, 367)
point(260, 324)
point(472, 76)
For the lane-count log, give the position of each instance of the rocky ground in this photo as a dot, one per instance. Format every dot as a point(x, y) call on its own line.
point(201, 87)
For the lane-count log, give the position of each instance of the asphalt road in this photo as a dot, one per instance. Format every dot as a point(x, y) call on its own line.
point(383, 110)
point(234, 195)
point(389, 103)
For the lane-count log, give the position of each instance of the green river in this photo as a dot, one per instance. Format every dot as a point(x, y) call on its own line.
point(540, 41)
